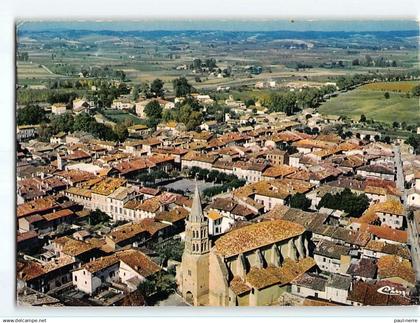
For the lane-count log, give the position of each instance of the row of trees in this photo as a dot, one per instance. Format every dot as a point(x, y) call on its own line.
point(82, 122)
point(291, 102)
point(228, 181)
point(377, 62)
point(349, 81)
point(103, 72)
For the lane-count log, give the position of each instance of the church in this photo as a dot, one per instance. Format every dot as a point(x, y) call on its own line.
point(249, 266)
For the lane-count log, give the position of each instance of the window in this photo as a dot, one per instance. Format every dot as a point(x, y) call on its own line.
point(298, 289)
point(189, 272)
point(75, 278)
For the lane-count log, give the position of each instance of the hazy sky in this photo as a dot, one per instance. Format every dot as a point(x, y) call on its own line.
point(211, 8)
point(230, 24)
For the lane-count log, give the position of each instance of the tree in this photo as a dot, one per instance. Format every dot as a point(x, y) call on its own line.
point(121, 131)
point(386, 95)
point(64, 122)
point(347, 201)
point(414, 141)
point(145, 90)
point(196, 118)
point(98, 217)
point(157, 88)
point(171, 249)
point(300, 201)
point(135, 92)
point(395, 124)
point(416, 90)
point(44, 132)
point(181, 86)
point(249, 102)
point(362, 118)
point(153, 110)
point(82, 122)
point(31, 115)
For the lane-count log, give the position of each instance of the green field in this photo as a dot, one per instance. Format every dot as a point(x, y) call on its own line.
point(120, 116)
point(374, 106)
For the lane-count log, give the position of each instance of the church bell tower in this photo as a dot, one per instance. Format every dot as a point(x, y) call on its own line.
point(194, 273)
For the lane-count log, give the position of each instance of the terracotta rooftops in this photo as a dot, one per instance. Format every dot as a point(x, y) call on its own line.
point(260, 278)
point(331, 250)
point(135, 259)
point(389, 248)
point(36, 206)
point(57, 215)
point(256, 235)
point(393, 266)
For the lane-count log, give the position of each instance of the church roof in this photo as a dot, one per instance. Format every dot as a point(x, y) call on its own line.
point(255, 236)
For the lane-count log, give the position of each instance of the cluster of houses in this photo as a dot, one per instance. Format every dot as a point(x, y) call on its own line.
point(244, 246)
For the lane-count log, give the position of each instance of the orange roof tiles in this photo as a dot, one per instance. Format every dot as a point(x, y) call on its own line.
point(256, 235)
point(393, 266)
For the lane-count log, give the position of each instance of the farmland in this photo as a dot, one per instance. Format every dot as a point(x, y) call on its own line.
point(404, 86)
point(373, 105)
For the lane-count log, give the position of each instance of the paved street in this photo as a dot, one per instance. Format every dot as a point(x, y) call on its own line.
point(173, 300)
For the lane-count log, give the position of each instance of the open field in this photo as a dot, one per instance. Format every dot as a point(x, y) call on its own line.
point(404, 86)
point(374, 106)
point(119, 116)
point(27, 70)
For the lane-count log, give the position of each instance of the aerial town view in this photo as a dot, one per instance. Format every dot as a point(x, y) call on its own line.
point(214, 163)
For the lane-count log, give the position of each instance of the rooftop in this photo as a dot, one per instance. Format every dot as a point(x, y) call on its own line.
point(256, 235)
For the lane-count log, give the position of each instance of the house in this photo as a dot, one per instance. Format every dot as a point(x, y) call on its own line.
point(209, 125)
point(376, 171)
point(138, 130)
point(58, 108)
point(129, 267)
point(59, 138)
point(80, 105)
point(392, 213)
point(334, 289)
point(140, 105)
point(122, 103)
point(26, 132)
point(223, 213)
point(363, 269)
point(45, 276)
point(332, 257)
point(309, 285)
point(278, 157)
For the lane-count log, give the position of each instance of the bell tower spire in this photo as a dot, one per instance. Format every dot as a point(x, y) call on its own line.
point(193, 275)
point(197, 231)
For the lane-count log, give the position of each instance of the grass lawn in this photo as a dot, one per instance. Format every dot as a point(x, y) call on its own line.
point(119, 116)
point(374, 106)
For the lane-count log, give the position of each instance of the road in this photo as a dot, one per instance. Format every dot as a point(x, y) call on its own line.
point(401, 187)
point(47, 69)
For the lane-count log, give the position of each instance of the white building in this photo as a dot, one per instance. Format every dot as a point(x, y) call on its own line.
point(58, 108)
point(129, 267)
